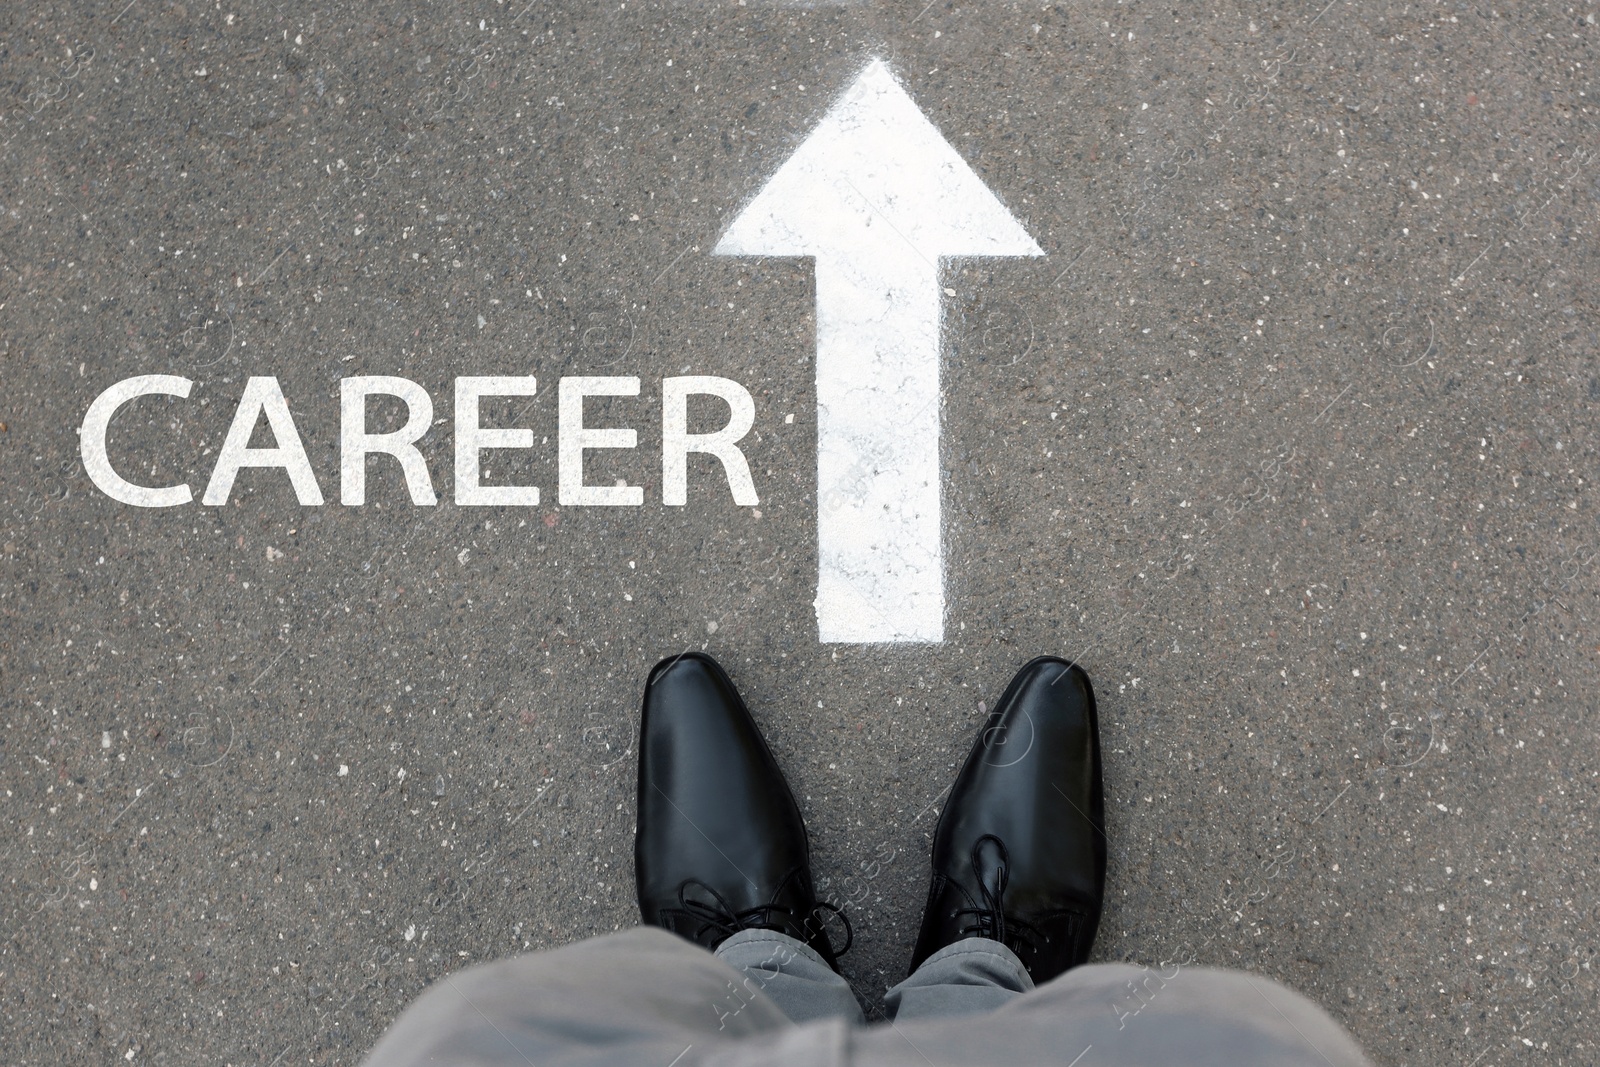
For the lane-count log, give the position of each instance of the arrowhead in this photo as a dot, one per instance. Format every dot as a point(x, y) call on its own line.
point(875, 177)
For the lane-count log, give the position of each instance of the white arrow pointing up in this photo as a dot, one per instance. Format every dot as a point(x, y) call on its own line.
point(878, 197)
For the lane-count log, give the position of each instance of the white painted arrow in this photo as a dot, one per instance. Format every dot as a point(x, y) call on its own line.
point(878, 197)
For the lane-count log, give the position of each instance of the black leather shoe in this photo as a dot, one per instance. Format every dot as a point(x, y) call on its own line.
point(1020, 853)
point(720, 845)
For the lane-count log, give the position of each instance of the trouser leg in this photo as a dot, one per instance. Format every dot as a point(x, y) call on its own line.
point(975, 974)
point(791, 974)
point(1116, 1015)
point(647, 996)
point(640, 996)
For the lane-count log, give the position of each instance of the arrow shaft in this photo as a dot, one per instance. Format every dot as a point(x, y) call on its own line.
point(879, 534)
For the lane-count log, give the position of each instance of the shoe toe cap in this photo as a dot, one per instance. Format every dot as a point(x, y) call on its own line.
point(713, 804)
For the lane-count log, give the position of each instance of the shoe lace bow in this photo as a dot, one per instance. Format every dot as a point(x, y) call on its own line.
point(990, 920)
point(717, 914)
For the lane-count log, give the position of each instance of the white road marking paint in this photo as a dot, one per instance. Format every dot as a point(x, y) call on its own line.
point(264, 396)
point(92, 441)
point(877, 196)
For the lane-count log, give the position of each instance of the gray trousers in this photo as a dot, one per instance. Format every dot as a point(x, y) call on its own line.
point(648, 997)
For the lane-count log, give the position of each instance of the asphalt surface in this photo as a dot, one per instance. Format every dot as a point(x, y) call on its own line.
point(1290, 439)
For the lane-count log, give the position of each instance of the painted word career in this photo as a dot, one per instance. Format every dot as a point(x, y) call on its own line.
point(262, 398)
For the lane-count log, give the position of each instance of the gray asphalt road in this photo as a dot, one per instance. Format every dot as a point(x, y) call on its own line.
point(1290, 439)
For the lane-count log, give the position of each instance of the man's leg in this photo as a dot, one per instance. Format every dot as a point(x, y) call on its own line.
point(1019, 867)
point(720, 846)
point(791, 974)
point(640, 996)
point(973, 975)
point(1019, 855)
point(1116, 1015)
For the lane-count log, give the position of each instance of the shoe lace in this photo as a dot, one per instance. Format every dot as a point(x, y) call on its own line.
point(990, 920)
point(717, 914)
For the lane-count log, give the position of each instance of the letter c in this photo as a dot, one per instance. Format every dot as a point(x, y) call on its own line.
point(92, 441)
